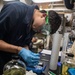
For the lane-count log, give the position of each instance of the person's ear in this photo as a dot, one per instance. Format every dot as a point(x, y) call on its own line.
point(44, 14)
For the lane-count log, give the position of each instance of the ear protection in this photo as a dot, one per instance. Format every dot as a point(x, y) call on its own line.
point(47, 19)
point(48, 25)
point(46, 15)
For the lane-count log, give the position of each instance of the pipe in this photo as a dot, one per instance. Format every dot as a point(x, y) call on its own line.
point(69, 4)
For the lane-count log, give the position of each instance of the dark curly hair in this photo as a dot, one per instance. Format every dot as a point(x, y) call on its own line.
point(54, 20)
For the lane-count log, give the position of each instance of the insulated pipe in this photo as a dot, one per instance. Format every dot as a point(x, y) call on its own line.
point(7, 1)
point(69, 4)
point(55, 51)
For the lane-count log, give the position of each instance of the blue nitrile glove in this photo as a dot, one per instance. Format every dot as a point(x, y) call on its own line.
point(71, 71)
point(31, 58)
point(37, 69)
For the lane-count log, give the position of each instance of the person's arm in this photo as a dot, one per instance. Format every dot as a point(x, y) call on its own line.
point(28, 56)
point(9, 16)
point(9, 47)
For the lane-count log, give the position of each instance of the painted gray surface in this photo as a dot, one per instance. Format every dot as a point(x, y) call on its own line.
point(1, 4)
point(29, 2)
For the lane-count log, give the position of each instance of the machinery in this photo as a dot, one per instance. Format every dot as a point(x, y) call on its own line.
point(44, 38)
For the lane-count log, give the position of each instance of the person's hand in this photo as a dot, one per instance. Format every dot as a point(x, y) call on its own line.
point(31, 58)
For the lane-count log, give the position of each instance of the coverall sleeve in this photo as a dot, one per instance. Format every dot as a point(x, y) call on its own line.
point(8, 18)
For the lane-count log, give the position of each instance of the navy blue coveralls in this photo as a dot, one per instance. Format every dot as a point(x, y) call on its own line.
point(15, 27)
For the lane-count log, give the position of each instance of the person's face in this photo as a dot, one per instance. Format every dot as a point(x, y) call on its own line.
point(39, 21)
